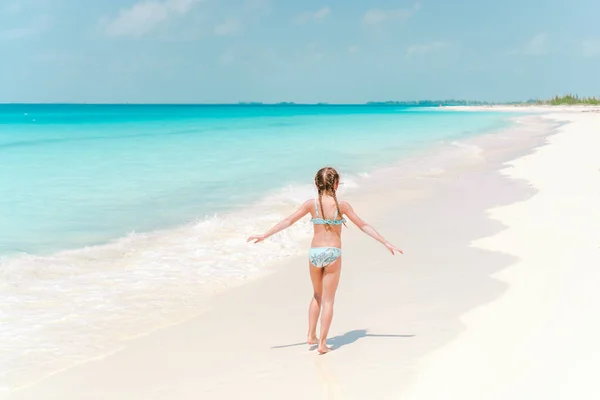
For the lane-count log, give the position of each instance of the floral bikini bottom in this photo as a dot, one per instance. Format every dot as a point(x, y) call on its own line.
point(323, 256)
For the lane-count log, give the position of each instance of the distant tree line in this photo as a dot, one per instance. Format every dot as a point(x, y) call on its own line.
point(570, 99)
point(429, 103)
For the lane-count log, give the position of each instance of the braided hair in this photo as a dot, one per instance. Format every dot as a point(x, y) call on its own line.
point(326, 180)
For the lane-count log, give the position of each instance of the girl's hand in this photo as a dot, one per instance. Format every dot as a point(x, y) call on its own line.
point(256, 238)
point(393, 248)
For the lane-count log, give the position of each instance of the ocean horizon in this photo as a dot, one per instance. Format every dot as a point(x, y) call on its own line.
point(409, 103)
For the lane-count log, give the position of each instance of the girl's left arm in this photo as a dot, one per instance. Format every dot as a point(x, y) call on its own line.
point(284, 223)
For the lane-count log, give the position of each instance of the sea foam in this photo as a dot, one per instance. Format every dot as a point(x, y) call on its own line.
point(75, 305)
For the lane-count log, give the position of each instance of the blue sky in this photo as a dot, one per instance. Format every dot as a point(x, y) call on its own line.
point(342, 51)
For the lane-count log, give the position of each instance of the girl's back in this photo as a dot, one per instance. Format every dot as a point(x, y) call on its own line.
point(327, 224)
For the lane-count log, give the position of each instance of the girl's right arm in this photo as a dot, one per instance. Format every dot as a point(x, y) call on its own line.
point(347, 209)
point(284, 223)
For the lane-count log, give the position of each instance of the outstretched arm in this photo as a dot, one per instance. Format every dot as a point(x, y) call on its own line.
point(347, 209)
point(284, 223)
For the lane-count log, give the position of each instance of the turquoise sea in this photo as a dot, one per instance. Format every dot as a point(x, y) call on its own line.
point(80, 175)
point(116, 219)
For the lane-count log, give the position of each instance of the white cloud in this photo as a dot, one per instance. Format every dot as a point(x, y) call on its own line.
point(229, 27)
point(322, 13)
point(20, 32)
point(313, 15)
point(10, 7)
point(537, 45)
point(378, 16)
point(425, 48)
point(256, 4)
point(17, 33)
point(590, 48)
point(145, 16)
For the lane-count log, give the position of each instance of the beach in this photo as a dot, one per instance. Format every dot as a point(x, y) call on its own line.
point(493, 298)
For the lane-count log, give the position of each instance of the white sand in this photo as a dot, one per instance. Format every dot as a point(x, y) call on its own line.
point(529, 108)
point(540, 339)
point(432, 324)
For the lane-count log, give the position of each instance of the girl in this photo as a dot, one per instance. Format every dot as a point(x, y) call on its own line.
point(325, 256)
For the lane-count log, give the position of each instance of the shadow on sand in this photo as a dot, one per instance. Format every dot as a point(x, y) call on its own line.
point(347, 338)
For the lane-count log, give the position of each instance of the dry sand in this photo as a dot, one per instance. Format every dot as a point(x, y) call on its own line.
point(539, 340)
point(494, 297)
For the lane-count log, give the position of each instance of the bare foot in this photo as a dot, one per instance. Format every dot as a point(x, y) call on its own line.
point(323, 349)
point(312, 340)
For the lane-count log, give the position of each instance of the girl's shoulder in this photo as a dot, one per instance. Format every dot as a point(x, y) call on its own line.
point(309, 203)
point(344, 205)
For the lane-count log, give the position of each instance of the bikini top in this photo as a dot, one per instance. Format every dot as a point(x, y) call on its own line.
point(321, 221)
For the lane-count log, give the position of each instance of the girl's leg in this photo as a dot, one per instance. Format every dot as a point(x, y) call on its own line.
point(331, 278)
point(316, 277)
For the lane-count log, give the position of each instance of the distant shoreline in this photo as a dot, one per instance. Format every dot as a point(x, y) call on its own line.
point(563, 101)
point(520, 105)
